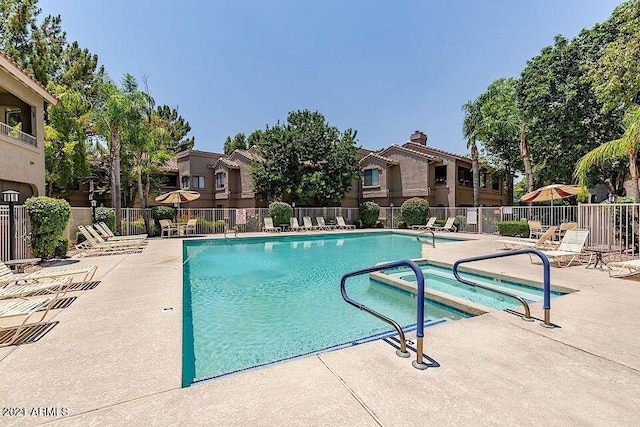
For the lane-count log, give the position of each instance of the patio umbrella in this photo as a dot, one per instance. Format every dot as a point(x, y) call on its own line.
point(551, 192)
point(177, 197)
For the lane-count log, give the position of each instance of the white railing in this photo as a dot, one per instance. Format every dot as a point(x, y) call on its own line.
point(612, 225)
point(21, 236)
point(16, 134)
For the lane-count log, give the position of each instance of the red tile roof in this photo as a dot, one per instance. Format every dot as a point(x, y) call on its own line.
point(25, 74)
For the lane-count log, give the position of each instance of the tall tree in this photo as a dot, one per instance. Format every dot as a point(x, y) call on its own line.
point(305, 159)
point(115, 109)
point(238, 142)
point(471, 127)
point(625, 147)
point(177, 127)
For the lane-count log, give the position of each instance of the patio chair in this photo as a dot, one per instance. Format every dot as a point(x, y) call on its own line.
point(60, 285)
point(564, 227)
point(190, 228)
point(448, 226)
point(624, 268)
point(430, 222)
point(92, 241)
point(20, 307)
point(342, 225)
point(322, 225)
point(106, 232)
point(568, 251)
point(543, 242)
point(268, 226)
point(294, 226)
point(306, 220)
point(168, 229)
point(98, 238)
point(90, 247)
point(535, 229)
point(7, 276)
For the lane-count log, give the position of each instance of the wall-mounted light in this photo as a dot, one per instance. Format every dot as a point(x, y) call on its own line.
point(10, 196)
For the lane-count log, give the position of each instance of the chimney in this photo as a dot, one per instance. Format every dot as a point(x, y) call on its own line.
point(418, 137)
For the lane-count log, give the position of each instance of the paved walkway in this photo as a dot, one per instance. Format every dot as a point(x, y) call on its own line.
point(114, 358)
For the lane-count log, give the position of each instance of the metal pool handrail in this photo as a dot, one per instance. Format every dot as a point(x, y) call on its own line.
point(402, 352)
point(546, 277)
point(433, 237)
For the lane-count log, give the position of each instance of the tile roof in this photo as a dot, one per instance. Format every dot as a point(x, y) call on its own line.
point(25, 74)
point(379, 157)
point(419, 147)
point(416, 152)
point(172, 164)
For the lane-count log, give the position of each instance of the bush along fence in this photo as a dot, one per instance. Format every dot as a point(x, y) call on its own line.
point(614, 225)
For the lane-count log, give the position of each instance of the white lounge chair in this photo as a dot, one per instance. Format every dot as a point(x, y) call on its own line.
point(430, 222)
point(322, 225)
point(342, 225)
point(268, 226)
point(7, 276)
point(294, 226)
point(59, 286)
point(543, 242)
point(100, 240)
point(22, 307)
point(448, 226)
point(306, 220)
point(90, 247)
point(569, 249)
point(106, 232)
point(624, 268)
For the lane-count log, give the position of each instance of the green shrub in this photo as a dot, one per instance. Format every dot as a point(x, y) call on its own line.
point(402, 224)
point(281, 213)
point(108, 216)
point(49, 218)
point(161, 212)
point(513, 228)
point(61, 248)
point(369, 212)
point(414, 211)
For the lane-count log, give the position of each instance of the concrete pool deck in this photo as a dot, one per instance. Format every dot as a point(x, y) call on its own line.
point(114, 357)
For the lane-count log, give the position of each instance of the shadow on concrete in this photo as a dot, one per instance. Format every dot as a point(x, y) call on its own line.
point(29, 334)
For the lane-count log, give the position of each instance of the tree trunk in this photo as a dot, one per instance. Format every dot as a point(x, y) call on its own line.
point(508, 186)
point(526, 159)
point(475, 166)
point(633, 168)
point(116, 191)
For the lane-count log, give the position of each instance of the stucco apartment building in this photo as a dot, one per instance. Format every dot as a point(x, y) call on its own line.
point(415, 169)
point(22, 104)
point(392, 175)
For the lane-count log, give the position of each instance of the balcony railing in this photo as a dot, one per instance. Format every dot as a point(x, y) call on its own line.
point(7, 130)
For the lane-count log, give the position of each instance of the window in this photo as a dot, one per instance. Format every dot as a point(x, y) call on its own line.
point(185, 182)
point(371, 177)
point(495, 183)
point(172, 181)
point(197, 181)
point(441, 175)
point(220, 180)
point(465, 177)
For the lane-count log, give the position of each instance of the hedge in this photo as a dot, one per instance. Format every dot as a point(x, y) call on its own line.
point(49, 218)
point(281, 213)
point(513, 228)
point(369, 212)
point(414, 211)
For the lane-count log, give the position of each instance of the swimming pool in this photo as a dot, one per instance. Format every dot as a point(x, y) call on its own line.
point(254, 301)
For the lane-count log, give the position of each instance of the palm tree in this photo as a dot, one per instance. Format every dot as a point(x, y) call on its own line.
point(113, 110)
point(470, 128)
point(626, 146)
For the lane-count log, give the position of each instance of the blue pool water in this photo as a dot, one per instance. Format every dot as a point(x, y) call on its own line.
point(441, 279)
point(249, 302)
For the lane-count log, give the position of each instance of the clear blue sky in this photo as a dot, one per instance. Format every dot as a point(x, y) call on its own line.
point(383, 68)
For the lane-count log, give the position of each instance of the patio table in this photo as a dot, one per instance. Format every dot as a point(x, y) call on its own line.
point(599, 251)
point(19, 264)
